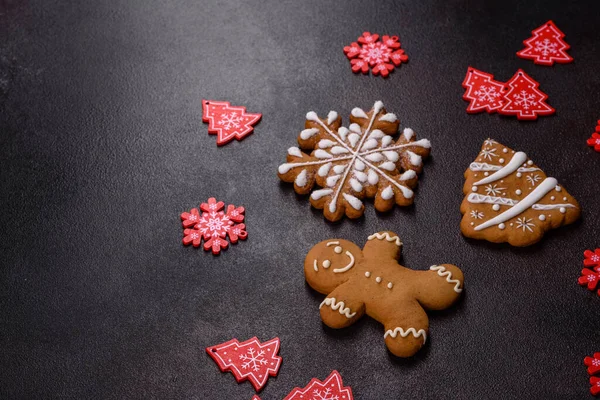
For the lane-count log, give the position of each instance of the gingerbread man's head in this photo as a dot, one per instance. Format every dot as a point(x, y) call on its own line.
point(371, 281)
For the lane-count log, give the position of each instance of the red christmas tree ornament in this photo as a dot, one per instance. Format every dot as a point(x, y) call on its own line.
point(524, 99)
point(250, 360)
point(226, 121)
point(214, 226)
point(255, 397)
point(593, 364)
point(546, 46)
point(330, 389)
point(594, 141)
point(380, 56)
point(482, 91)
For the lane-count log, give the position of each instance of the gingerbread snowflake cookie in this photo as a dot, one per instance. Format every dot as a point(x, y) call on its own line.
point(510, 199)
point(370, 281)
point(352, 163)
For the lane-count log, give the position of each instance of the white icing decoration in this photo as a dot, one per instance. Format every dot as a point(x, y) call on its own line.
point(501, 161)
point(415, 159)
point(542, 217)
point(391, 155)
point(502, 226)
point(387, 193)
point(390, 166)
point(294, 151)
point(334, 243)
point(404, 333)
point(359, 165)
point(338, 249)
point(558, 188)
point(385, 142)
point(322, 154)
point(408, 133)
point(326, 143)
point(519, 174)
point(408, 175)
point(356, 186)
point(353, 139)
point(361, 176)
point(552, 206)
point(338, 169)
point(390, 285)
point(326, 264)
point(495, 207)
point(505, 150)
point(353, 201)
point(308, 133)
point(536, 195)
point(339, 150)
point(529, 162)
point(347, 267)
point(518, 192)
point(389, 117)
point(441, 271)
point(355, 128)
point(369, 144)
point(378, 279)
point(375, 157)
point(386, 236)
point(552, 198)
point(332, 116)
point(474, 188)
point(562, 210)
point(317, 194)
point(475, 166)
point(359, 113)
point(315, 265)
point(312, 116)
point(339, 307)
point(368, 274)
point(324, 169)
point(376, 134)
point(373, 178)
point(564, 199)
point(301, 179)
point(508, 169)
point(332, 180)
point(343, 132)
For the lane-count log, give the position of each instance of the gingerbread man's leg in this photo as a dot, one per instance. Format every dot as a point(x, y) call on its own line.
point(342, 307)
point(406, 333)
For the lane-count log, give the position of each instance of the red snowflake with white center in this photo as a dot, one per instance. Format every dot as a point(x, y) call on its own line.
point(590, 276)
point(380, 56)
point(250, 360)
point(331, 388)
point(594, 141)
point(214, 225)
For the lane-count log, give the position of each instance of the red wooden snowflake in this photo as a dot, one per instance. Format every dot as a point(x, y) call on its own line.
point(524, 99)
point(482, 91)
point(591, 277)
point(546, 46)
point(593, 364)
point(226, 121)
point(595, 382)
point(594, 141)
point(250, 360)
point(379, 56)
point(214, 226)
point(330, 389)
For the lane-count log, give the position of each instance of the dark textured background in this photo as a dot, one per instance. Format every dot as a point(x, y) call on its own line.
point(102, 147)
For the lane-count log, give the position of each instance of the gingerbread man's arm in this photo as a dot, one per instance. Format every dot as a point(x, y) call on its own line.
point(343, 306)
point(440, 287)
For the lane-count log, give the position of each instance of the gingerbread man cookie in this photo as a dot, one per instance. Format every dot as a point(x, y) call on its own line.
point(370, 281)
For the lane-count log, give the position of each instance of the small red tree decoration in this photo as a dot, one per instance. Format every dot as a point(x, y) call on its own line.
point(524, 99)
point(226, 121)
point(546, 46)
point(484, 93)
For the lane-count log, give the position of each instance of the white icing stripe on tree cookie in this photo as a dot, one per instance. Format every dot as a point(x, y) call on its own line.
point(532, 198)
point(552, 206)
point(347, 267)
point(518, 159)
point(475, 166)
point(339, 307)
point(386, 236)
point(404, 333)
point(441, 271)
point(480, 198)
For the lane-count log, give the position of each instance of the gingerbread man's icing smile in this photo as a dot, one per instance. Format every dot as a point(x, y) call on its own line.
point(370, 281)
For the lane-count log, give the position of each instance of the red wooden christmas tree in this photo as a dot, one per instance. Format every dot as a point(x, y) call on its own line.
point(546, 46)
point(524, 99)
point(226, 121)
point(483, 92)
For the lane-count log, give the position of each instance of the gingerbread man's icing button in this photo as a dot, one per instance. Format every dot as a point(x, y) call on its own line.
point(399, 302)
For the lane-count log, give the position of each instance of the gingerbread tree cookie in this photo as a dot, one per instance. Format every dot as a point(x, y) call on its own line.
point(352, 163)
point(510, 199)
point(370, 281)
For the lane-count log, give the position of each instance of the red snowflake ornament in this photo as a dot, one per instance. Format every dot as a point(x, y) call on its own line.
point(594, 141)
point(226, 121)
point(250, 360)
point(524, 99)
point(214, 226)
point(590, 277)
point(330, 389)
point(483, 92)
point(595, 382)
point(546, 46)
point(592, 259)
point(593, 364)
point(379, 56)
